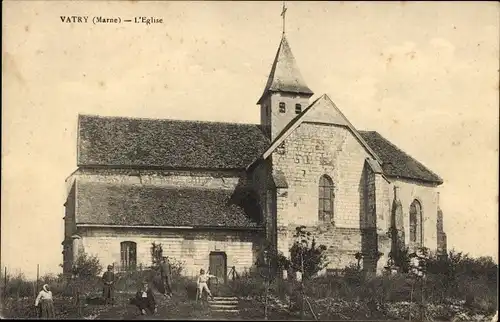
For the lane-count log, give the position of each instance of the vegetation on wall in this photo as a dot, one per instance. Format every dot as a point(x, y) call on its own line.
point(156, 254)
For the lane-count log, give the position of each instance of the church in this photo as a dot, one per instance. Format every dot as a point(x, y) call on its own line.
point(213, 193)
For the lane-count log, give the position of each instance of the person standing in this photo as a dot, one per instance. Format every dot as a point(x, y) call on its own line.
point(166, 276)
point(44, 299)
point(201, 283)
point(145, 300)
point(108, 278)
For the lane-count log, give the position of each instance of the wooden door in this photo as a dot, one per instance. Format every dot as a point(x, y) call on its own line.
point(218, 265)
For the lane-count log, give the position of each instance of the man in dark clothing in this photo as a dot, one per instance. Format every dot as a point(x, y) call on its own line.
point(108, 290)
point(145, 300)
point(166, 276)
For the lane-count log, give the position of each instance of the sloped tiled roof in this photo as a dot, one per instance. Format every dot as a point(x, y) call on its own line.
point(285, 75)
point(142, 205)
point(136, 142)
point(395, 162)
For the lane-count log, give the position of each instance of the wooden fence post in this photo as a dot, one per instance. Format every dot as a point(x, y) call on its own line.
point(37, 276)
point(5, 283)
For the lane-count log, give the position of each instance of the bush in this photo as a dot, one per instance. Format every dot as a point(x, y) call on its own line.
point(249, 285)
point(86, 266)
point(176, 267)
point(132, 280)
point(401, 258)
point(19, 286)
point(353, 274)
point(283, 263)
point(306, 252)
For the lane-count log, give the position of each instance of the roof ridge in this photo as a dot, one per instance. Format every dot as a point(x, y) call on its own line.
point(407, 154)
point(164, 119)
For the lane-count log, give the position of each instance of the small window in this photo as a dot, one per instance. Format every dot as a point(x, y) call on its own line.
point(298, 108)
point(282, 107)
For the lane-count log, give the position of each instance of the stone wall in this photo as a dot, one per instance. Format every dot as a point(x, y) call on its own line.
point(69, 213)
point(442, 247)
point(311, 151)
point(426, 194)
point(188, 246)
point(272, 119)
point(69, 229)
point(261, 180)
point(343, 243)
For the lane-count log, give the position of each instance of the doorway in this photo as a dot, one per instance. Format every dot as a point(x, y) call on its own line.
point(218, 265)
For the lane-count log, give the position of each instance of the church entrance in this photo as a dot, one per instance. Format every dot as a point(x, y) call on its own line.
point(218, 265)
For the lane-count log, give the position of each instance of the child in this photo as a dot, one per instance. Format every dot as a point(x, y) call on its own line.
point(202, 283)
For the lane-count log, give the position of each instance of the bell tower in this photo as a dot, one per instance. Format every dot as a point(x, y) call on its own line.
point(286, 94)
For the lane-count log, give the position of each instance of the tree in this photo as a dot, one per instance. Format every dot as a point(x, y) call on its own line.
point(305, 251)
point(86, 266)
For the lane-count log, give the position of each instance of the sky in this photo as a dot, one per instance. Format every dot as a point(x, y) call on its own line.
point(423, 74)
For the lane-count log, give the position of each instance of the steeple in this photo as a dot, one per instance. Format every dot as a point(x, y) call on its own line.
point(286, 93)
point(285, 75)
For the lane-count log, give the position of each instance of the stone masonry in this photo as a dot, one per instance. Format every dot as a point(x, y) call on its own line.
point(192, 247)
point(363, 198)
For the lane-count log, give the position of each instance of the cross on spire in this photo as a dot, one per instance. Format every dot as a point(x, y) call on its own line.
point(283, 13)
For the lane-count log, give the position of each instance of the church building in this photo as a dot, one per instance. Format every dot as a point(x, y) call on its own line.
point(213, 193)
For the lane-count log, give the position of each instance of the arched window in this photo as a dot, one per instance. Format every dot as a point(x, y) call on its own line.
point(128, 254)
point(326, 198)
point(415, 224)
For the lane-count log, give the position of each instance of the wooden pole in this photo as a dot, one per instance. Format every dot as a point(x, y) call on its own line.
point(37, 276)
point(302, 281)
point(5, 283)
point(422, 315)
point(267, 285)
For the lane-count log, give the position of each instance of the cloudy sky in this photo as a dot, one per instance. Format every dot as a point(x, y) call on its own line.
point(425, 75)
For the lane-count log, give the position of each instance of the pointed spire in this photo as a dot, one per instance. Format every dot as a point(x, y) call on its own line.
point(285, 76)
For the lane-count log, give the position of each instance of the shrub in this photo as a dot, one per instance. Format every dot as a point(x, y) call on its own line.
point(19, 286)
point(132, 280)
point(176, 267)
point(86, 266)
point(353, 274)
point(249, 284)
point(401, 258)
point(306, 252)
point(283, 263)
